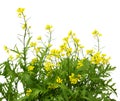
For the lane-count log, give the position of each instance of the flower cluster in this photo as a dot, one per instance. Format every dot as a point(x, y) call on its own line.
point(96, 33)
point(28, 92)
point(20, 11)
point(74, 79)
point(98, 58)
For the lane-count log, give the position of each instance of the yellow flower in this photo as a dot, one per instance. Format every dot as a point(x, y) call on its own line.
point(70, 33)
point(96, 58)
point(48, 66)
point(20, 10)
point(103, 55)
point(39, 38)
point(34, 60)
point(76, 40)
point(59, 80)
point(72, 75)
point(74, 34)
point(66, 39)
point(90, 51)
point(74, 79)
point(6, 49)
point(30, 68)
point(80, 64)
point(49, 56)
point(49, 45)
point(28, 92)
point(63, 47)
point(55, 52)
point(33, 44)
point(24, 26)
point(68, 51)
point(62, 54)
point(96, 33)
point(53, 86)
point(105, 60)
point(80, 46)
point(11, 57)
point(79, 76)
point(48, 27)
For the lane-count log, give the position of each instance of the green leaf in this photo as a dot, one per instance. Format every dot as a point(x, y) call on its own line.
point(28, 41)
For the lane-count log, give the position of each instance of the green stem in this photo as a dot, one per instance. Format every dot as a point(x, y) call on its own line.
point(24, 41)
point(68, 65)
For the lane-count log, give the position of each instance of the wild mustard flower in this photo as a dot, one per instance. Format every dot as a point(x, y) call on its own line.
point(49, 56)
point(73, 79)
point(48, 27)
point(74, 34)
point(105, 59)
point(49, 45)
point(80, 46)
point(53, 86)
point(48, 66)
point(66, 39)
point(90, 51)
point(28, 92)
point(96, 33)
point(34, 60)
point(70, 33)
point(39, 38)
point(59, 80)
point(6, 48)
point(96, 58)
point(79, 76)
point(11, 57)
point(63, 47)
point(30, 68)
point(55, 52)
point(68, 51)
point(33, 44)
point(76, 40)
point(62, 54)
point(20, 10)
point(24, 26)
point(79, 64)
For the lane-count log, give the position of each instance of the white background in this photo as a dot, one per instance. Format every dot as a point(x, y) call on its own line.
point(82, 16)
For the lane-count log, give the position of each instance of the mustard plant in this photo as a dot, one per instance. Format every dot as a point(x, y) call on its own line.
point(67, 73)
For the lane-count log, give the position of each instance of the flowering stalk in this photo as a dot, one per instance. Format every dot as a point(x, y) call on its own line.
point(24, 40)
point(96, 35)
